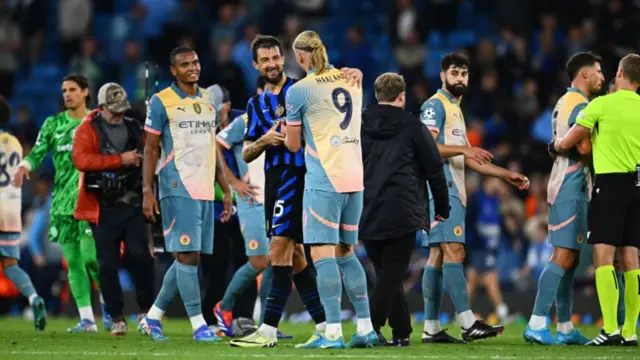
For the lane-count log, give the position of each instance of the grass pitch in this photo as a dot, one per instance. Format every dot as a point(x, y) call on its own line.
point(18, 340)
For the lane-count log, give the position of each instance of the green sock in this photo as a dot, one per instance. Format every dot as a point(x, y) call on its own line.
point(607, 286)
point(77, 274)
point(631, 302)
point(89, 257)
point(621, 303)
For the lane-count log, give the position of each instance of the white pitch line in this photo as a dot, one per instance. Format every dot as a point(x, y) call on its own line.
point(306, 356)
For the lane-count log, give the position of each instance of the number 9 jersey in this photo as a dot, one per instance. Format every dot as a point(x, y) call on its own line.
point(329, 110)
point(10, 196)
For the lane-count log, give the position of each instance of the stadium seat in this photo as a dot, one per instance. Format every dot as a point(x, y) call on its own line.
point(466, 15)
point(44, 72)
point(435, 40)
point(432, 63)
point(461, 38)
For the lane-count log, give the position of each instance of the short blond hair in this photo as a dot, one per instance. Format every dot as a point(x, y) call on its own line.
point(389, 86)
point(309, 41)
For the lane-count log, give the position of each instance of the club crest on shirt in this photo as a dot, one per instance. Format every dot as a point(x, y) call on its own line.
point(185, 239)
point(457, 231)
point(580, 239)
point(279, 110)
point(197, 108)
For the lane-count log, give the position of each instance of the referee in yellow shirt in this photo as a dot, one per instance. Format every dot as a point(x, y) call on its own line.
point(613, 122)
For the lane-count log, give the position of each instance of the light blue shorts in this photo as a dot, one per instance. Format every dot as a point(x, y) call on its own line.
point(188, 224)
point(331, 218)
point(9, 245)
point(450, 231)
point(568, 224)
point(252, 224)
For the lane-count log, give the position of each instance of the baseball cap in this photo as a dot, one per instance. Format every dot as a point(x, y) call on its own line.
point(219, 95)
point(114, 98)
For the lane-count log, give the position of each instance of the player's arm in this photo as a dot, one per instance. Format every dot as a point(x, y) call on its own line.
point(254, 141)
point(488, 169)
point(154, 125)
point(41, 147)
point(295, 108)
point(221, 178)
point(431, 166)
point(582, 121)
point(432, 115)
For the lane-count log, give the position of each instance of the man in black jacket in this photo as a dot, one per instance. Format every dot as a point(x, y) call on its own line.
point(400, 157)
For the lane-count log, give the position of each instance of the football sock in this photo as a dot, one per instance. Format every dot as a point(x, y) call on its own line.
point(240, 281)
point(564, 298)
point(189, 288)
point(167, 293)
point(607, 286)
point(355, 283)
point(78, 277)
point(548, 284)
point(432, 294)
point(330, 289)
point(21, 280)
point(453, 276)
point(621, 302)
point(278, 296)
point(307, 287)
point(632, 302)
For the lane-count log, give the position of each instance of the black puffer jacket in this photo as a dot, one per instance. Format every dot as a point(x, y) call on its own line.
point(400, 157)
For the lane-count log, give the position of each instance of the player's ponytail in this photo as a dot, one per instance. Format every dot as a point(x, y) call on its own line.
point(309, 41)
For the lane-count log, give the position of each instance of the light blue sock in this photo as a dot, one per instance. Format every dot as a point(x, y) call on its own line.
point(453, 275)
point(244, 277)
point(564, 298)
point(548, 285)
point(621, 309)
point(20, 279)
point(169, 289)
point(432, 292)
point(355, 282)
point(265, 287)
point(189, 287)
point(330, 288)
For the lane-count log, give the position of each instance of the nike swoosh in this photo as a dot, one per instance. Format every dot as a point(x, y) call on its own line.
point(58, 136)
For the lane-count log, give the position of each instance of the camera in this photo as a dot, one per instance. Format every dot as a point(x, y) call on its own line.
point(110, 186)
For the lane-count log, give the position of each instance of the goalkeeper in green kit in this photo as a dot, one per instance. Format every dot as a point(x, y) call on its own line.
point(75, 237)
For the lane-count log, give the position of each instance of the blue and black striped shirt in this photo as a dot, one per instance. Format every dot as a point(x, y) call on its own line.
point(263, 112)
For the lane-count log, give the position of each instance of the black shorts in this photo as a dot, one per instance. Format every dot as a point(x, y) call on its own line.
point(284, 187)
point(614, 211)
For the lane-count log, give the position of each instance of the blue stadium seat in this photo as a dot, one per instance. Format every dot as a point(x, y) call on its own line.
point(461, 38)
point(432, 63)
point(483, 26)
point(102, 28)
point(435, 40)
point(43, 72)
point(466, 15)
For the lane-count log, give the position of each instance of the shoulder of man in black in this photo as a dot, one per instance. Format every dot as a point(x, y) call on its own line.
point(385, 121)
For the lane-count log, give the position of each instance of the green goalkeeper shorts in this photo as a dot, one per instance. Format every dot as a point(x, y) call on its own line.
point(66, 229)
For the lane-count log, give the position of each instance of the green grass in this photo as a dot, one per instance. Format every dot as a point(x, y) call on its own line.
point(18, 340)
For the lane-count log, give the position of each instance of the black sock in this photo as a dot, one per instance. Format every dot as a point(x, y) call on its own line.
point(279, 294)
point(307, 286)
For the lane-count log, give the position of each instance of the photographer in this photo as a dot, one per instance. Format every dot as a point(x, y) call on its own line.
point(107, 150)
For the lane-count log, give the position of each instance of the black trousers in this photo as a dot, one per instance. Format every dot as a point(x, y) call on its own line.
point(124, 224)
point(390, 259)
point(228, 249)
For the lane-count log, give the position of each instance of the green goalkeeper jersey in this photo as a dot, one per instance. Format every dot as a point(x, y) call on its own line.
point(56, 135)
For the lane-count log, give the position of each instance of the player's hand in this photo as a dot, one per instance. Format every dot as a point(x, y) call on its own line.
point(228, 207)
point(518, 180)
point(355, 75)
point(131, 158)
point(150, 206)
point(245, 190)
point(18, 177)
point(273, 136)
point(480, 156)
